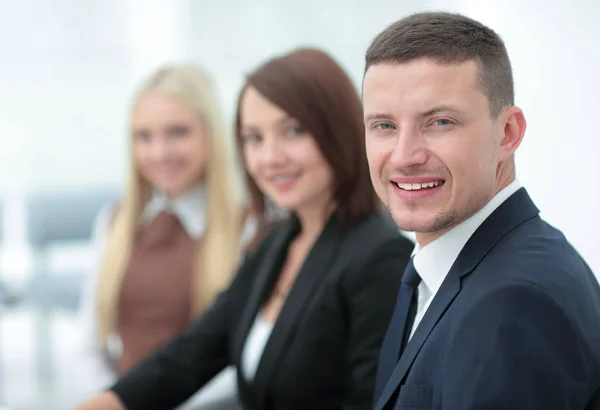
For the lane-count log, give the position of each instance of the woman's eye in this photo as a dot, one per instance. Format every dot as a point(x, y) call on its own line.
point(179, 131)
point(251, 138)
point(296, 130)
point(142, 135)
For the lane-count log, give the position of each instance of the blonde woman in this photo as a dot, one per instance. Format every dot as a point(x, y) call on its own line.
point(173, 241)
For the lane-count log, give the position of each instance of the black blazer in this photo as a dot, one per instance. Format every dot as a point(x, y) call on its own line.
point(514, 326)
point(322, 353)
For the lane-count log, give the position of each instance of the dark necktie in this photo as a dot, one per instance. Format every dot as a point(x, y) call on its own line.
point(399, 328)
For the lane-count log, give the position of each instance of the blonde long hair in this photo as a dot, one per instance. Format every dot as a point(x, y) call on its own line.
point(219, 254)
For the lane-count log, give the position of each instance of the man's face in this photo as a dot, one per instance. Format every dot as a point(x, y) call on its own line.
point(433, 147)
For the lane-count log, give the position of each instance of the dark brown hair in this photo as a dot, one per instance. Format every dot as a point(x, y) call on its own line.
point(449, 39)
point(312, 88)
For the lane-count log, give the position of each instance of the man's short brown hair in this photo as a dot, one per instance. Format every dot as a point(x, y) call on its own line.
point(449, 39)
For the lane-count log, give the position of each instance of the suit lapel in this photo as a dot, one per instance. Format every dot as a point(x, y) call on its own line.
point(440, 303)
point(517, 209)
point(311, 273)
point(268, 272)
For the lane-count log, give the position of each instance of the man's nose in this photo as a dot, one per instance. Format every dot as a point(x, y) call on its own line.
point(409, 150)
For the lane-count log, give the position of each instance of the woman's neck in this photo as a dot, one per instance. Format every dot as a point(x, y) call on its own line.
point(312, 222)
point(195, 191)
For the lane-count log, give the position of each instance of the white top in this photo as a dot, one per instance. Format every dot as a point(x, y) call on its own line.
point(433, 261)
point(185, 207)
point(190, 210)
point(255, 345)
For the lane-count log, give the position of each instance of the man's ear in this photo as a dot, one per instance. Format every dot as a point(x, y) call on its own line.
point(514, 130)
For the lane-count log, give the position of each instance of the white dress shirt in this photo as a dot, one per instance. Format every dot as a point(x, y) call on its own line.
point(434, 260)
point(189, 208)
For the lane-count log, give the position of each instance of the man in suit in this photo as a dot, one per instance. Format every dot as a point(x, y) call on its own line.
point(496, 310)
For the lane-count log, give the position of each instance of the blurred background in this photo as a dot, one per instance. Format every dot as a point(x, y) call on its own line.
point(68, 70)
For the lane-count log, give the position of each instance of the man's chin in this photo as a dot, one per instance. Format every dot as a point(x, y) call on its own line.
point(419, 222)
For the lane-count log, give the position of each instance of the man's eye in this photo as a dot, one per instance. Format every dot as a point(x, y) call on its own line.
point(442, 122)
point(385, 126)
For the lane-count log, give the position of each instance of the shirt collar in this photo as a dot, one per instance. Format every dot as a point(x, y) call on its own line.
point(433, 261)
point(189, 208)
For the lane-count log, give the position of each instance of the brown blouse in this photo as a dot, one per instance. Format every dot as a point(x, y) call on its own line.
point(156, 295)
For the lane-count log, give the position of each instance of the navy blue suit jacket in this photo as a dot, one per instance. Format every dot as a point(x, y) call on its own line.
point(514, 326)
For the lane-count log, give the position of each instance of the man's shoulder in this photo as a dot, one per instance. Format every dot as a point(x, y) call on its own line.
point(538, 255)
point(535, 243)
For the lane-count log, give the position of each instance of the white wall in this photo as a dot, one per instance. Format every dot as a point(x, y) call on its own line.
point(63, 90)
